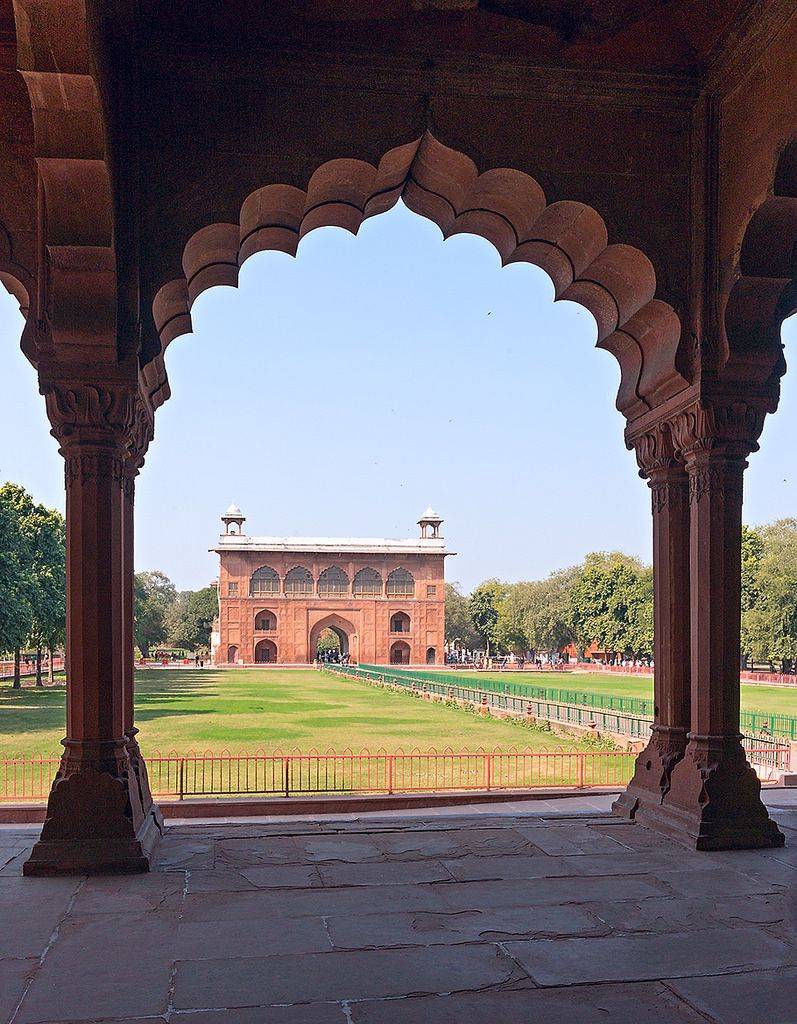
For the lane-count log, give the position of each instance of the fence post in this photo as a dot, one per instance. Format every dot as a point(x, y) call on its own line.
point(390, 774)
point(180, 773)
point(489, 758)
point(580, 766)
point(287, 769)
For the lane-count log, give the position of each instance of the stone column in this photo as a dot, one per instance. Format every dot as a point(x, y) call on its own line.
point(670, 509)
point(714, 801)
point(130, 471)
point(95, 822)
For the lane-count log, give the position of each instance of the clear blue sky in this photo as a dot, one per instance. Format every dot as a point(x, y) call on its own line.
point(342, 392)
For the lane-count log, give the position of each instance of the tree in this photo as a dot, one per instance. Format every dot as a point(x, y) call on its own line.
point(46, 534)
point(16, 578)
point(549, 618)
point(612, 604)
point(483, 607)
point(154, 596)
point(511, 628)
point(328, 642)
point(458, 625)
point(769, 622)
point(190, 618)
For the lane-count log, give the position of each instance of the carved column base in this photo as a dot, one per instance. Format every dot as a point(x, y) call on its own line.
point(139, 768)
point(95, 823)
point(714, 802)
point(653, 771)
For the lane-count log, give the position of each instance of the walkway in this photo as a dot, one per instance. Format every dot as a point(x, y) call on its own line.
point(537, 910)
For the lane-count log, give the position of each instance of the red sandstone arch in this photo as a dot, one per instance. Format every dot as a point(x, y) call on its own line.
point(339, 624)
point(568, 240)
point(265, 652)
point(765, 292)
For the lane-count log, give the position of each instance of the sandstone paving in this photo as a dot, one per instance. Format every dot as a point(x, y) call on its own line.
point(489, 916)
point(364, 974)
point(102, 965)
point(384, 930)
point(766, 996)
point(643, 957)
point(588, 1004)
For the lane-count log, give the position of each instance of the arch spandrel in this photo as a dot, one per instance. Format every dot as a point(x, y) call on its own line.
point(616, 283)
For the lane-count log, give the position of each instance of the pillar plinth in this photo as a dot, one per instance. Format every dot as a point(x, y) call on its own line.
point(670, 509)
point(95, 821)
point(714, 798)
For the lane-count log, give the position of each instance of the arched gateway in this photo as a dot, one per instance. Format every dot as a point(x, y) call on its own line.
point(99, 241)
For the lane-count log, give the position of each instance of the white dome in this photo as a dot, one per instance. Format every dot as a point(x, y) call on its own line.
point(430, 514)
point(233, 510)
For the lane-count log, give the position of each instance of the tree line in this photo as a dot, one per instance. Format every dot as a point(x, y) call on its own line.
point(606, 602)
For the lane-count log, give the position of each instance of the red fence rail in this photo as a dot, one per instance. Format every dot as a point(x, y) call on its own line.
point(181, 776)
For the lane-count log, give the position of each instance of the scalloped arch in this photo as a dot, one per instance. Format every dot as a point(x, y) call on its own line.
point(568, 240)
point(765, 292)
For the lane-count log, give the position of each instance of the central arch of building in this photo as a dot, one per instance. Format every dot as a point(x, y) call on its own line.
point(108, 237)
point(344, 629)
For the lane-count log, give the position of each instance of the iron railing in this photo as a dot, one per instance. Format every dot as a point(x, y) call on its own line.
point(763, 749)
point(180, 776)
point(752, 722)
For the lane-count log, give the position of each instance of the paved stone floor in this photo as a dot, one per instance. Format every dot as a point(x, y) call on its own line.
point(548, 911)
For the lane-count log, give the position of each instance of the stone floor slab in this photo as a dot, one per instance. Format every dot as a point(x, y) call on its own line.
point(589, 1004)
point(643, 957)
point(14, 977)
point(318, 1013)
point(384, 930)
point(744, 998)
point(104, 966)
point(384, 873)
point(574, 839)
point(454, 843)
point(365, 974)
point(30, 911)
point(198, 940)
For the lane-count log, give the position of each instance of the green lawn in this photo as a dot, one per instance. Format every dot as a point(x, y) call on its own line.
point(775, 700)
point(246, 710)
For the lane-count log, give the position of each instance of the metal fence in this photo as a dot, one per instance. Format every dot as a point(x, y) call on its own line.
point(753, 722)
point(764, 750)
point(208, 774)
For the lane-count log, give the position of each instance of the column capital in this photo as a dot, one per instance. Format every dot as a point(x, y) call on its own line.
point(654, 450)
point(726, 426)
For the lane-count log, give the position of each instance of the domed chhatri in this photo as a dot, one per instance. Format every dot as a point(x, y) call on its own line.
point(430, 523)
point(233, 520)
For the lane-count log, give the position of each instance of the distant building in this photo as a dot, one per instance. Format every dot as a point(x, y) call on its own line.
point(384, 599)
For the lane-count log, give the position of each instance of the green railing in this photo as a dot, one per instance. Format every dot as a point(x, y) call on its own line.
point(752, 722)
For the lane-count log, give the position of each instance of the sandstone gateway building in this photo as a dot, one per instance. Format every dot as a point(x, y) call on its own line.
point(385, 599)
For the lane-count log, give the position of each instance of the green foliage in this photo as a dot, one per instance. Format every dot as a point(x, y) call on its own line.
point(32, 572)
point(769, 592)
point(155, 595)
point(189, 619)
point(328, 641)
point(458, 628)
point(612, 604)
point(483, 606)
point(548, 617)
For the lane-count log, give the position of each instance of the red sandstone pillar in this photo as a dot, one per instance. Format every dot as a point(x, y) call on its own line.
point(714, 801)
point(670, 508)
point(137, 762)
point(95, 822)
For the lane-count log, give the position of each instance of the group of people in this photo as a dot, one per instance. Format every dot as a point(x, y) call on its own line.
point(335, 656)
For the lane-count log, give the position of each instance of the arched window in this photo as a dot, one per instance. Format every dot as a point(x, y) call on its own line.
point(400, 623)
point(264, 581)
point(368, 582)
point(265, 621)
point(232, 654)
point(400, 653)
point(431, 656)
point(400, 583)
point(299, 581)
point(333, 581)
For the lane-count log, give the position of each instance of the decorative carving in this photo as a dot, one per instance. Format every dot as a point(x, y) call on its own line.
point(734, 425)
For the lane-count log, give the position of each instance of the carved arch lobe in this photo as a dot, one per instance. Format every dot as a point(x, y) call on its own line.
point(568, 240)
point(765, 292)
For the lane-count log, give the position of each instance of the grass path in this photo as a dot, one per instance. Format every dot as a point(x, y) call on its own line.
point(249, 709)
